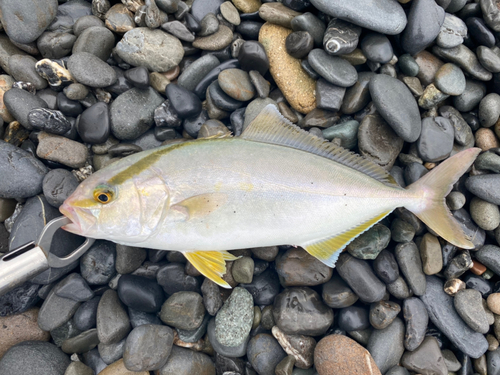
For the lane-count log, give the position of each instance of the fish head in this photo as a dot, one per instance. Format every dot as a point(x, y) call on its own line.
point(127, 211)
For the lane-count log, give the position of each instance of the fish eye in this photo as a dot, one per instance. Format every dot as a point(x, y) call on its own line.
point(103, 194)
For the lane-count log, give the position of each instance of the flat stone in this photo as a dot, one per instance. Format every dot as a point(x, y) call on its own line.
point(338, 354)
point(24, 22)
point(112, 321)
point(34, 357)
point(153, 49)
point(424, 24)
point(264, 353)
point(22, 68)
point(186, 362)
point(278, 14)
point(466, 59)
point(62, 150)
point(450, 79)
point(90, 70)
point(222, 38)
point(297, 87)
point(426, 359)
point(436, 140)
point(20, 103)
point(468, 303)
point(386, 345)
point(483, 186)
point(132, 113)
point(444, 316)
point(378, 142)
point(332, 68)
point(234, 320)
point(23, 173)
point(452, 33)
point(307, 316)
point(236, 83)
point(296, 267)
point(21, 327)
point(56, 311)
point(148, 347)
point(183, 310)
point(195, 72)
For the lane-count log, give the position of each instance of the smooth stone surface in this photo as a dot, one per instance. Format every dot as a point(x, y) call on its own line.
point(24, 173)
point(426, 359)
point(340, 355)
point(436, 140)
point(484, 187)
point(378, 142)
point(386, 267)
point(74, 287)
point(312, 24)
point(297, 87)
point(450, 79)
point(49, 120)
point(383, 313)
point(452, 33)
point(264, 353)
point(179, 30)
point(22, 68)
point(56, 311)
point(183, 310)
point(85, 316)
point(466, 59)
point(34, 357)
point(132, 113)
point(442, 313)
point(416, 319)
point(377, 48)
point(489, 110)
point(424, 24)
point(112, 320)
point(386, 17)
point(94, 124)
point(472, 95)
point(186, 362)
point(185, 103)
point(195, 72)
point(360, 277)
point(172, 278)
point(299, 43)
point(25, 21)
point(489, 256)
point(140, 293)
point(486, 215)
point(97, 265)
point(410, 263)
point(90, 70)
point(234, 320)
point(217, 41)
point(332, 68)
point(488, 59)
point(358, 95)
point(300, 347)
point(353, 318)
point(386, 345)
point(252, 54)
point(20, 103)
point(341, 37)
point(307, 316)
point(236, 83)
point(148, 347)
point(153, 49)
point(468, 303)
point(96, 40)
point(329, 96)
point(296, 267)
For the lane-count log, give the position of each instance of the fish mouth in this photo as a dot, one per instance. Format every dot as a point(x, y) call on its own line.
point(75, 225)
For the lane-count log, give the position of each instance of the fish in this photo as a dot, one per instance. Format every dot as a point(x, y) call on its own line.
point(275, 184)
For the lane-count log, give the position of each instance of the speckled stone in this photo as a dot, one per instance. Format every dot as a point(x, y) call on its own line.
point(234, 320)
point(297, 87)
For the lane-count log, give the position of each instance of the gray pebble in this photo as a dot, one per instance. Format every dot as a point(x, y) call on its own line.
point(20, 103)
point(97, 265)
point(183, 310)
point(74, 287)
point(468, 303)
point(466, 59)
point(436, 140)
point(386, 345)
point(425, 359)
point(488, 59)
point(112, 320)
point(112, 352)
point(489, 255)
point(90, 70)
point(264, 353)
point(96, 40)
point(485, 187)
point(410, 263)
point(227, 351)
point(22, 68)
point(370, 243)
point(472, 95)
point(450, 79)
point(53, 45)
point(485, 214)
point(58, 185)
point(452, 32)
point(332, 68)
point(416, 319)
point(209, 25)
point(489, 110)
point(186, 362)
point(377, 48)
point(56, 311)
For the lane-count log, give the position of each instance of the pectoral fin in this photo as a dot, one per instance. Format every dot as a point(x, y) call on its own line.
point(211, 264)
point(328, 249)
point(200, 205)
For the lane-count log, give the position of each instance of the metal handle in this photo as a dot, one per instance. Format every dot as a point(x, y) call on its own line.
point(21, 265)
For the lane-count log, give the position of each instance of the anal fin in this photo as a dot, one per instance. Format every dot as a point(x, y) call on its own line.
point(211, 264)
point(328, 249)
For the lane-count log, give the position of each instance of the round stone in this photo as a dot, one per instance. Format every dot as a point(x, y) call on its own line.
point(377, 48)
point(436, 139)
point(296, 267)
point(183, 310)
point(153, 49)
point(264, 353)
point(58, 185)
point(485, 214)
point(217, 41)
point(184, 102)
point(96, 40)
point(332, 68)
point(140, 293)
point(299, 43)
point(112, 320)
point(236, 83)
point(341, 37)
point(450, 79)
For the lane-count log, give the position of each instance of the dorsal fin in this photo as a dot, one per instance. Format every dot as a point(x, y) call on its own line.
point(271, 127)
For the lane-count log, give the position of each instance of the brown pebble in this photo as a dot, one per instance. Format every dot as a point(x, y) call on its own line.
point(158, 81)
point(278, 14)
point(299, 346)
point(295, 84)
point(5, 84)
point(118, 368)
point(119, 19)
point(214, 42)
point(496, 127)
point(356, 57)
point(247, 6)
point(20, 327)
point(172, 73)
point(492, 342)
point(414, 85)
point(494, 303)
point(430, 166)
point(340, 355)
point(15, 133)
point(62, 150)
point(486, 139)
point(428, 66)
point(477, 268)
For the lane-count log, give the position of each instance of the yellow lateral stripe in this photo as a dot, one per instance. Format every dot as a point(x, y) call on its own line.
point(211, 264)
point(325, 250)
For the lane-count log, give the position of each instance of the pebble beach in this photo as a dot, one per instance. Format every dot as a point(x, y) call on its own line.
point(406, 84)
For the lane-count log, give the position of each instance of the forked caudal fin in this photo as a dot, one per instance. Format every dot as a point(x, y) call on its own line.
point(433, 189)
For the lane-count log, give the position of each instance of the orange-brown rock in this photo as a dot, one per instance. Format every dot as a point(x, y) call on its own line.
point(297, 87)
point(486, 139)
point(20, 327)
point(5, 84)
point(118, 368)
point(340, 355)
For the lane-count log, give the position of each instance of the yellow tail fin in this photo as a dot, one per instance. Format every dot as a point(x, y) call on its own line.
point(433, 189)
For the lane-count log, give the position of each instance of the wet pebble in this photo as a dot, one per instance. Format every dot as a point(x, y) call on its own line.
point(183, 310)
point(234, 320)
point(264, 353)
point(97, 265)
point(296, 267)
point(183, 361)
point(370, 243)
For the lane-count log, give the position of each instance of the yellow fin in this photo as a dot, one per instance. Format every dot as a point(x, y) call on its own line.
point(328, 250)
point(200, 205)
point(271, 127)
point(211, 264)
